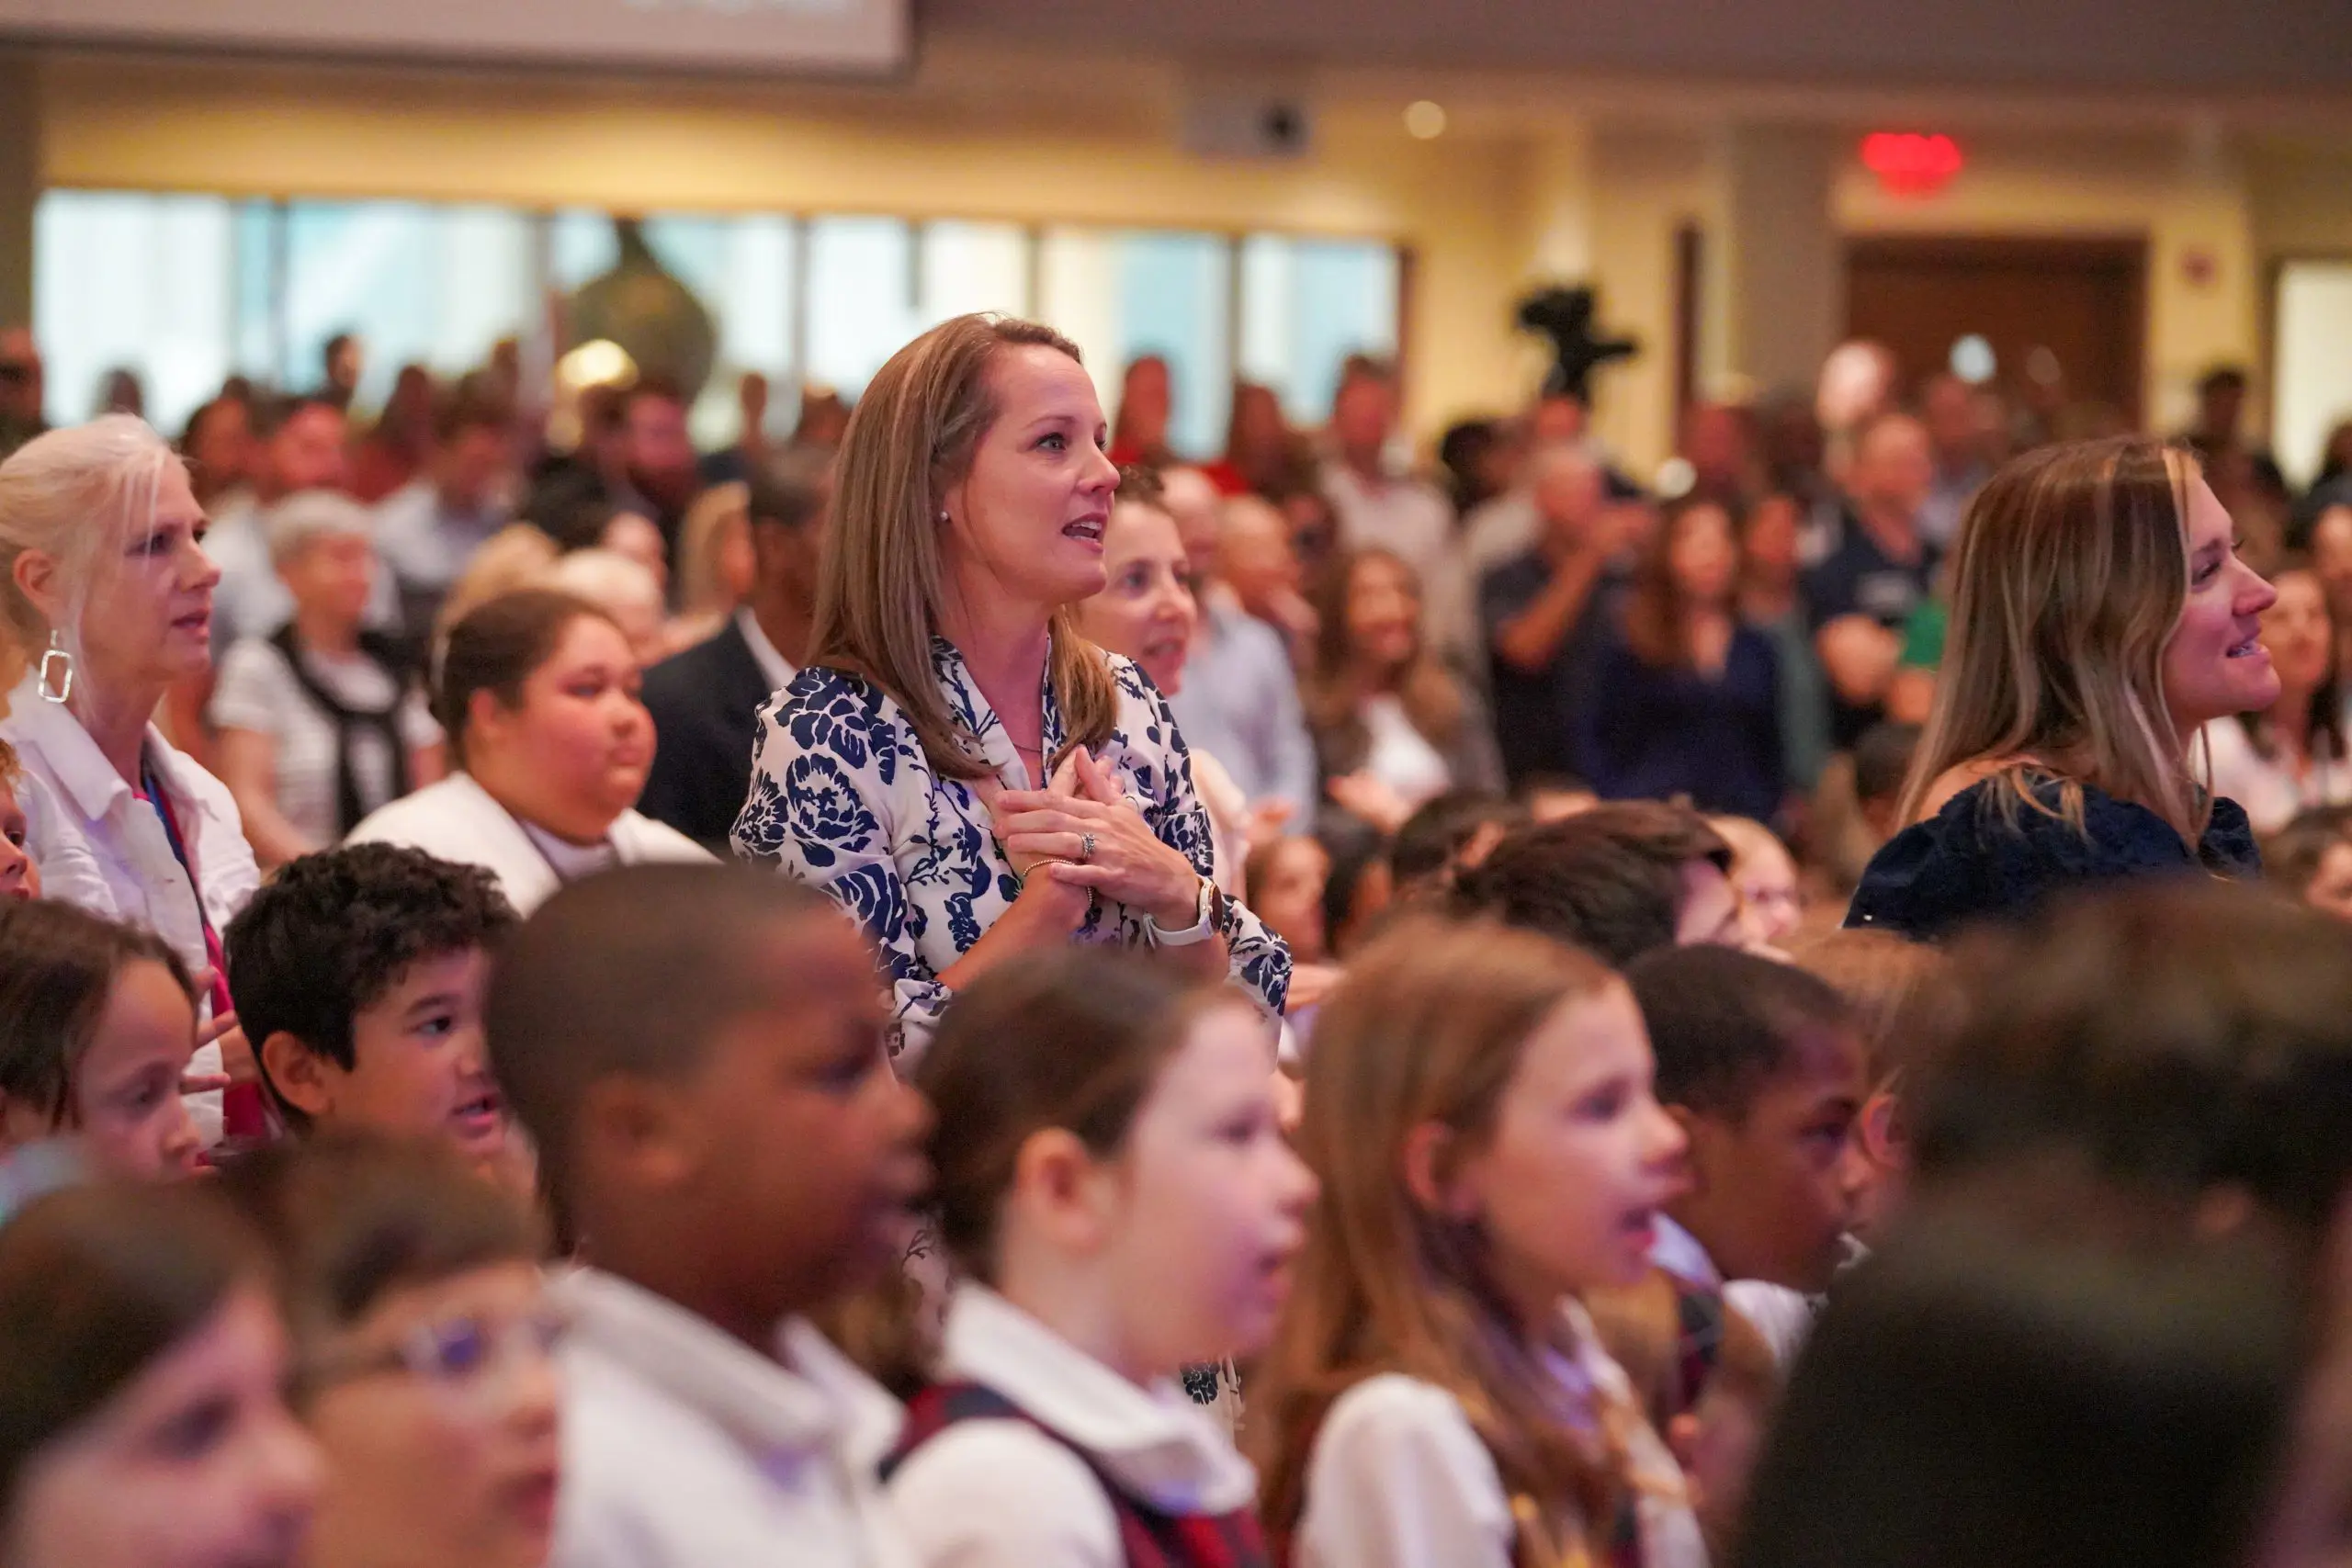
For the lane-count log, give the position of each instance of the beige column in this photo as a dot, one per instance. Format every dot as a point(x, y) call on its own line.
point(1559, 196)
point(1784, 262)
point(19, 183)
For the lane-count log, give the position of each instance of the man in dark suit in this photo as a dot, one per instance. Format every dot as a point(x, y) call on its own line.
point(705, 700)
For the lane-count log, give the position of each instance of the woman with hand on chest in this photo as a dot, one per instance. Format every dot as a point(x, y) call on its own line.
point(958, 765)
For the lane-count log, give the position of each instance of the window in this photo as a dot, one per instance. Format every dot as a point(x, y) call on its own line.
point(188, 289)
point(151, 283)
point(433, 285)
point(1123, 293)
point(2312, 392)
point(860, 305)
point(1305, 306)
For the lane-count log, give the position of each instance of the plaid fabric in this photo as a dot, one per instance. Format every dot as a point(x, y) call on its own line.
point(1148, 1536)
point(1698, 1340)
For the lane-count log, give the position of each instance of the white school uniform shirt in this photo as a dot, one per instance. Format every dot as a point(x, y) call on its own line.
point(993, 1493)
point(1783, 1317)
point(1399, 1479)
point(103, 849)
point(684, 1448)
point(458, 820)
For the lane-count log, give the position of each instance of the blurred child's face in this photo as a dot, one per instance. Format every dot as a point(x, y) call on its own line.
point(195, 1464)
point(418, 1069)
point(1709, 914)
point(1211, 1202)
point(1771, 1193)
point(1766, 880)
point(802, 1150)
point(2330, 891)
point(1290, 897)
point(20, 878)
point(127, 1108)
point(1581, 1159)
point(457, 1462)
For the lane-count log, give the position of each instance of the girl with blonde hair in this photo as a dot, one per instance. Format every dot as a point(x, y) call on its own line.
point(958, 765)
point(1480, 1117)
point(2101, 616)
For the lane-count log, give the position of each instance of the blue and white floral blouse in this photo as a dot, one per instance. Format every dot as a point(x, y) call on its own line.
point(843, 797)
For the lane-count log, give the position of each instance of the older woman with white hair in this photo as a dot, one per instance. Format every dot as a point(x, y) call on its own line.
point(106, 597)
point(624, 589)
point(321, 722)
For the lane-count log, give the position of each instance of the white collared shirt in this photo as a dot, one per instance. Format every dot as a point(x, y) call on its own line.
point(1781, 1315)
point(458, 820)
point(774, 666)
point(103, 849)
point(1399, 1479)
point(999, 1494)
point(685, 1449)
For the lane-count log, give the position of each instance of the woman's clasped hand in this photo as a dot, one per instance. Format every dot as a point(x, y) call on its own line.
point(1084, 821)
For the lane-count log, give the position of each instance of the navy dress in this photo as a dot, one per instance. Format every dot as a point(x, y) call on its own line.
point(1657, 734)
point(1969, 862)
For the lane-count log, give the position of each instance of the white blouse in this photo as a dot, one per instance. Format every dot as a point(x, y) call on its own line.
point(103, 849)
point(458, 820)
point(2273, 790)
point(1399, 1479)
point(1400, 756)
point(991, 1492)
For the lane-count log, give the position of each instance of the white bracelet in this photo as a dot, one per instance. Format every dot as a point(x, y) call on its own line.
point(1199, 930)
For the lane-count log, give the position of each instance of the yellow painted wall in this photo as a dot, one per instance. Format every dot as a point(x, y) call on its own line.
point(275, 131)
point(1481, 213)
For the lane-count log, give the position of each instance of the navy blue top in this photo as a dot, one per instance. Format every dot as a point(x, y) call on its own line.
point(1539, 718)
point(1967, 863)
point(1652, 732)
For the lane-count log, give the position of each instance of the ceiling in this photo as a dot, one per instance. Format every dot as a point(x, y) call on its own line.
point(2192, 45)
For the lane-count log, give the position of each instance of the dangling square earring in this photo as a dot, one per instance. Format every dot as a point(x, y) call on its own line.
point(58, 659)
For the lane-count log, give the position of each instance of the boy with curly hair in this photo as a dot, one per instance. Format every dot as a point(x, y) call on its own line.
point(358, 974)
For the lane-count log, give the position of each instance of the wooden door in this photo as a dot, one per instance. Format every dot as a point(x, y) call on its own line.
point(2080, 304)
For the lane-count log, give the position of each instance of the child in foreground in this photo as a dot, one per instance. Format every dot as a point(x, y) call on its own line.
point(97, 1024)
point(359, 976)
point(1480, 1115)
point(1762, 1067)
point(1115, 1191)
point(697, 1054)
point(413, 1289)
point(1895, 988)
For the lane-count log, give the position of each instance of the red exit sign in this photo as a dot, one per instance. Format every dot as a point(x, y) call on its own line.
point(1910, 164)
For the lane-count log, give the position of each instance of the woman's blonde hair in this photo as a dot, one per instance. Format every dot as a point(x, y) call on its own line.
point(77, 495)
point(721, 510)
point(2071, 571)
point(517, 556)
point(1334, 689)
point(1428, 1028)
point(882, 580)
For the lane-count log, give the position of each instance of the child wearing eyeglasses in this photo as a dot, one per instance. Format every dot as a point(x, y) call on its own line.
point(425, 1350)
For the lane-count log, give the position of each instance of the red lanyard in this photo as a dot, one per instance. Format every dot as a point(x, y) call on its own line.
point(244, 1114)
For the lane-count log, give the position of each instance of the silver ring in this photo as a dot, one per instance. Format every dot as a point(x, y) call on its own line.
point(1085, 847)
